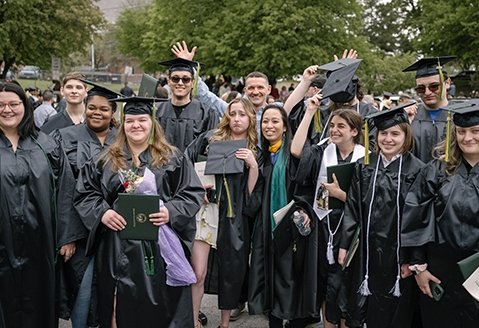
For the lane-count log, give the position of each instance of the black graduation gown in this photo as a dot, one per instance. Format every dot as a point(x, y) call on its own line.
point(80, 144)
point(441, 226)
point(427, 132)
point(233, 242)
point(181, 130)
point(30, 231)
point(381, 309)
point(57, 121)
point(283, 277)
point(141, 300)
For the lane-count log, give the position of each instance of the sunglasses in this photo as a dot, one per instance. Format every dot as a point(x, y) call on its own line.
point(176, 79)
point(433, 87)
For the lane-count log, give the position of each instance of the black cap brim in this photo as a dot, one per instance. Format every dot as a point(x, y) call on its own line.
point(99, 90)
point(388, 118)
point(180, 64)
point(429, 66)
point(466, 114)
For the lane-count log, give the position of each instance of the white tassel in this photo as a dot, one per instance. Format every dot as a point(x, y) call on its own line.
point(329, 252)
point(396, 290)
point(364, 288)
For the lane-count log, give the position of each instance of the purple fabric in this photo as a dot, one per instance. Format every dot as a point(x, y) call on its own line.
point(178, 269)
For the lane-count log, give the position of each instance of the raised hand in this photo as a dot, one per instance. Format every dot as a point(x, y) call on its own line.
point(180, 49)
point(351, 53)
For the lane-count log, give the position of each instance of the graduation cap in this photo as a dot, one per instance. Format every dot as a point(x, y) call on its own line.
point(338, 64)
point(181, 64)
point(341, 82)
point(99, 90)
point(139, 106)
point(222, 159)
point(383, 120)
point(465, 114)
point(148, 86)
point(429, 66)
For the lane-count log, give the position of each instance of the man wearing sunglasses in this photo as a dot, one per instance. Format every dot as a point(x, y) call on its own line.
point(181, 117)
point(429, 123)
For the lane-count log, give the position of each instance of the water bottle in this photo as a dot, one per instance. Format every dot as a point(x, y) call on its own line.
point(298, 220)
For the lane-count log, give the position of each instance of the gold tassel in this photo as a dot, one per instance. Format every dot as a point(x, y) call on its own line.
point(441, 79)
point(195, 85)
point(448, 137)
point(366, 142)
point(228, 197)
point(153, 118)
point(317, 122)
point(122, 119)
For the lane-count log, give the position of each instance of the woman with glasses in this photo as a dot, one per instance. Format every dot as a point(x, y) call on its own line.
point(37, 228)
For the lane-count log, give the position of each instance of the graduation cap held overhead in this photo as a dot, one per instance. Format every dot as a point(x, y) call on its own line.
point(222, 158)
point(341, 82)
point(99, 90)
point(429, 66)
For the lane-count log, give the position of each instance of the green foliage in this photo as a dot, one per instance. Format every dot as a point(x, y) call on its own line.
point(34, 30)
point(450, 27)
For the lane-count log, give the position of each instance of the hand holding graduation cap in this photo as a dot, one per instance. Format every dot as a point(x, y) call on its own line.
point(310, 73)
point(180, 49)
point(314, 102)
point(247, 156)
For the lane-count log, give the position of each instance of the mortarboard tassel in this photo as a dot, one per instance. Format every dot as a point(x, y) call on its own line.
point(228, 197)
point(441, 79)
point(317, 122)
point(366, 142)
point(448, 137)
point(122, 119)
point(152, 131)
point(329, 251)
point(195, 83)
point(395, 290)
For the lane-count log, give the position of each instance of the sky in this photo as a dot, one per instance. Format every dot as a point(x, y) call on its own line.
point(113, 8)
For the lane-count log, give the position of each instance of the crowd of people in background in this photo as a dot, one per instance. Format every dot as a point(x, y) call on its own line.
point(263, 233)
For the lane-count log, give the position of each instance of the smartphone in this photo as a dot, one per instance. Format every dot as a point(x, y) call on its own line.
point(436, 290)
point(211, 195)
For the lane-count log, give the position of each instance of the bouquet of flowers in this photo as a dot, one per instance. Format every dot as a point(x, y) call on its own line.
point(178, 270)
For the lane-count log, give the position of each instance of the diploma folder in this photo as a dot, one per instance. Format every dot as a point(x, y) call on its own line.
point(469, 265)
point(344, 174)
point(135, 209)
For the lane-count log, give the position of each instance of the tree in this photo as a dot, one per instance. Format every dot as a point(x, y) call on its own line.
point(32, 31)
point(450, 27)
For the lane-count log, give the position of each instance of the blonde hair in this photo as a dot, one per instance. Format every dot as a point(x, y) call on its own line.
point(161, 150)
point(223, 130)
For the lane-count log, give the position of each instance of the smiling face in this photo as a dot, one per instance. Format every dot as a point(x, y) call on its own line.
point(257, 90)
point(137, 128)
point(10, 118)
point(181, 83)
point(239, 120)
point(391, 141)
point(73, 91)
point(98, 113)
point(272, 125)
point(340, 131)
point(468, 141)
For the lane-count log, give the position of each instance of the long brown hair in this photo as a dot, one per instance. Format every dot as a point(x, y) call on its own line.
point(161, 150)
point(223, 130)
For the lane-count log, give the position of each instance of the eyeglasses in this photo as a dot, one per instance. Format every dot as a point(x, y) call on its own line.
point(14, 105)
point(184, 79)
point(433, 87)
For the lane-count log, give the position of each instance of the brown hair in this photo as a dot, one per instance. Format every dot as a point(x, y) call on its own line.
point(223, 131)
point(408, 138)
point(353, 119)
point(73, 76)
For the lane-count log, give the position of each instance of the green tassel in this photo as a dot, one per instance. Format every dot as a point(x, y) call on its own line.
point(318, 127)
point(228, 197)
point(152, 131)
point(441, 79)
point(195, 83)
point(366, 142)
point(122, 118)
point(152, 265)
point(448, 137)
point(147, 266)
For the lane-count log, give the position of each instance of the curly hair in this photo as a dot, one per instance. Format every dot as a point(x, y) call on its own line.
point(223, 130)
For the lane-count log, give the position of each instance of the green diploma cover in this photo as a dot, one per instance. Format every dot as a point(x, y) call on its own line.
point(135, 209)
